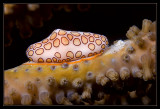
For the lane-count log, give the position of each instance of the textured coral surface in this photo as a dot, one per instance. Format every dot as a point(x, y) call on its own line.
point(124, 73)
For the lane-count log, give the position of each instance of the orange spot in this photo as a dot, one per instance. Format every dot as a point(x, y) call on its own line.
point(98, 42)
point(70, 37)
point(106, 42)
point(62, 32)
point(57, 54)
point(91, 39)
point(95, 53)
point(49, 60)
point(91, 46)
point(70, 54)
point(39, 51)
point(63, 60)
point(31, 46)
point(48, 46)
point(78, 54)
point(28, 49)
point(53, 36)
point(90, 54)
point(56, 42)
point(30, 53)
point(54, 59)
point(68, 60)
point(83, 56)
point(75, 33)
point(37, 45)
point(76, 42)
point(103, 46)
point(59, 61)
point(103, 38)
point(40, 60)
point(86, 34)
point(96, 35)
point(84, 40)
point(64, 41)
point(101, 51)
point(30, 59)
point(45, 41)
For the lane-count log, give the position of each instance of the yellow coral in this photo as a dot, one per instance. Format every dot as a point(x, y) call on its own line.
point(74, 83)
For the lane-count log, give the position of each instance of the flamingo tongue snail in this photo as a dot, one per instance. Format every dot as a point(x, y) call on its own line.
point(70, 67)
point(66, 46)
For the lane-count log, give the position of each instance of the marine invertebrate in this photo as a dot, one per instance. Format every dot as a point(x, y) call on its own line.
point(65, 46)
point(122, 72)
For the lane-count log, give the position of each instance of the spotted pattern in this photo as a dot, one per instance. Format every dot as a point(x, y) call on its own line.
point(30, 53)
point(68, 60)
point(96, 35)
point(37, 45)
point(86, 34)
point(54, 59)
point(48, 46)
point(31, 46)
point(57, 54)
point(78, 54)
point(91, 46)
point(40, 60)
point(64, 41)
point(66, 46)
point(90, 54)
point(101, 51)
point(62, 32)
point(75, 33)
point(106, 42)
point(39, 51)
point(70, 37)
point(56, 42)
point(84, 40)
point(95, 53)
point(91, 39)
point(45, 41)
point(76, 42)
point(63, 60)
point(98, 42)
point(30, 59)
point(53, 36)
point(103, 38)
point(83, 56)
point(70, 54)
point(49, 60)
point(28, 49)
point(103, 46)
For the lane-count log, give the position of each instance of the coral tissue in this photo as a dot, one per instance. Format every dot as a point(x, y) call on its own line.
point(86, 71)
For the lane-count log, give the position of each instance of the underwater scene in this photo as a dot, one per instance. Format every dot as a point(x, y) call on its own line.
point(80, 54)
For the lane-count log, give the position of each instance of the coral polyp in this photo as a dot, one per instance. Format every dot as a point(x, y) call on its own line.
point(121, 72)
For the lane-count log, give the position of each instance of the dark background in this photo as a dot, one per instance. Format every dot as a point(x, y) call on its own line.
point(111, 20)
